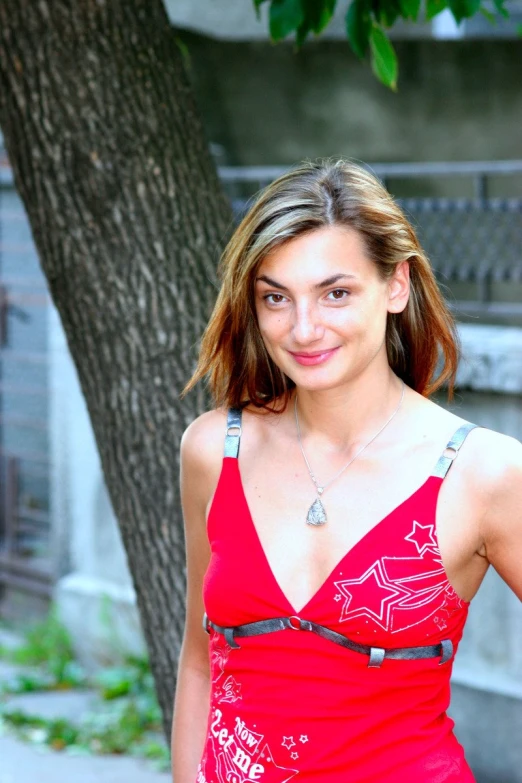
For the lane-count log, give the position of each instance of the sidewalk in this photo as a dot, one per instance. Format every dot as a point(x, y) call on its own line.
point(21, 762)
point(24, 762)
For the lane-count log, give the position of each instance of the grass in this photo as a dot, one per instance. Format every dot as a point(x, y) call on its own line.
point(127, 718)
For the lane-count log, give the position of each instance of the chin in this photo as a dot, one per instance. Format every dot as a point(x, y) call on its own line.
point(315, 384)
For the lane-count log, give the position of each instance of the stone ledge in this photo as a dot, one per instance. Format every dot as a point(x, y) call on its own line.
point(102, 619)
point(491, 358)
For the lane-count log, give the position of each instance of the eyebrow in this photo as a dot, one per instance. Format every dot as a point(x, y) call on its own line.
point(329, 281)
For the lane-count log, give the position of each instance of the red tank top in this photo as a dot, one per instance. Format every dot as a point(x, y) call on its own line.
point(295, 706)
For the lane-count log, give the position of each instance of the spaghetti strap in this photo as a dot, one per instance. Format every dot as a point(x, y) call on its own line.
point(232, 440)
point(445, 462)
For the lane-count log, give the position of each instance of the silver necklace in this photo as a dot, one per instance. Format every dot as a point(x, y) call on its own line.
point(317, 512)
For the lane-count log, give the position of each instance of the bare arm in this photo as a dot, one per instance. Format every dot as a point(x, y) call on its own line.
point(502, 526)
point(200, 463)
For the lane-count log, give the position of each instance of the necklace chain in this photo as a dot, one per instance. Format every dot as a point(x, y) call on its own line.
point(322, 487)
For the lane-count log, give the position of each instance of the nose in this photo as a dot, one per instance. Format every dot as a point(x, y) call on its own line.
point(307, 327)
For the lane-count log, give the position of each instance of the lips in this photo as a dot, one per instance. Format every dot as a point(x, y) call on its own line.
point(313, 357)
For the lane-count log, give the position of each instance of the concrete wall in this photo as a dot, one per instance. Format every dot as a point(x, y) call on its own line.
point(458, 100)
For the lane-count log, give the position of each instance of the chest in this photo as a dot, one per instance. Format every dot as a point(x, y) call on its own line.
point(388, 581)
point(369, 503)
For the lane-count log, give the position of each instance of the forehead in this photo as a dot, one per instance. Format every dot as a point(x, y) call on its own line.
point(318, 253)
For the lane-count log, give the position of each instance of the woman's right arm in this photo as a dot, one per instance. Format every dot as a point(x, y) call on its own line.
point(201, 452)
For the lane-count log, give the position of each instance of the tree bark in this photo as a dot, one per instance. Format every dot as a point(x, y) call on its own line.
point(128, 217)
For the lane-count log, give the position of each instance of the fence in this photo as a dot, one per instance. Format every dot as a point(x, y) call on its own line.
point(474, 242)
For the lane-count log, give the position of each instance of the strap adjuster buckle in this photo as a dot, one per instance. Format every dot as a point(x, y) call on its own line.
point(298, 624)
point(446, 647)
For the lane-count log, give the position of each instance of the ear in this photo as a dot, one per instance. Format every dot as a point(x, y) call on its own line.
point(399, 288)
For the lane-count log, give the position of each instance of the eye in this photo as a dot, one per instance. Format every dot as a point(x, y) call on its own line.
point(274, 298)
point(338, 294)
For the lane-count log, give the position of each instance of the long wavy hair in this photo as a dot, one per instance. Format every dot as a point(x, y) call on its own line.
point(421, 341)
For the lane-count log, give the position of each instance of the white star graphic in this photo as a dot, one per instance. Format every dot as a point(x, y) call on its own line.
point(276, 773)
point(364, 599)
point(422, 540)
point(337, 597)
point(288, 742)
point(303, 738)
point(294, 755)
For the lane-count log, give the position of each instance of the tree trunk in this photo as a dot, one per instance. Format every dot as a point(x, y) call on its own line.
point(128, 217)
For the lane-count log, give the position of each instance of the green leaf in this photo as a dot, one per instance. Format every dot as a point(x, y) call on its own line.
point(463, 9)
point(383, 58)
point(301, 34)
point(318, 13)
point(499, 5)
point(488, 15)
point(410, 8)
point(388, 12)
point(257, 6)
point(434, 7)
point(358, 26)
point(285, 17)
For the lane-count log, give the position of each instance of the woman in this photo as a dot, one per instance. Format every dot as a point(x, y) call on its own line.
point(339, 517)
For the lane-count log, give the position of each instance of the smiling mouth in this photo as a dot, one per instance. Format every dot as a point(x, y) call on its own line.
point(312, 353)
point(313, 357)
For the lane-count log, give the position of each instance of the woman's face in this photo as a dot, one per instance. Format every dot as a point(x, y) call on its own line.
point(322, 307)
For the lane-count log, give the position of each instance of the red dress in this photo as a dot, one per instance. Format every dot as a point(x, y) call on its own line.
point(295, 706)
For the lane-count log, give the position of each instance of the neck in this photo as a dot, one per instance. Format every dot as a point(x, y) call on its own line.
point(342, 418)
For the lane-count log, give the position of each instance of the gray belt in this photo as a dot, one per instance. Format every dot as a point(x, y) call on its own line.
point(376, 654)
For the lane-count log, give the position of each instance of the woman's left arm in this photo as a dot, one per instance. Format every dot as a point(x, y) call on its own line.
point(502, 516)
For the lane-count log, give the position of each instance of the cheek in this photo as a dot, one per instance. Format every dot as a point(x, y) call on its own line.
point(271, 325)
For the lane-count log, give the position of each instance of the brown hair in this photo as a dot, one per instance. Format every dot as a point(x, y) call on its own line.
point(308, 197)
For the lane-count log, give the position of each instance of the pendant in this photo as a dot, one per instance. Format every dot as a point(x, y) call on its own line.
point(316, 513)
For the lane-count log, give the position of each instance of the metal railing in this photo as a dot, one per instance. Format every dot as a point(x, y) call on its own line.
point(473, 241)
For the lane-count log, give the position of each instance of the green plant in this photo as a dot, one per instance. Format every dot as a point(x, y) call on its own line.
point(46, 645)
point(127, 718)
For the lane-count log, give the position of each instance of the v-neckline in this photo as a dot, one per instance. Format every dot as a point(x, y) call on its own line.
point(346, 556)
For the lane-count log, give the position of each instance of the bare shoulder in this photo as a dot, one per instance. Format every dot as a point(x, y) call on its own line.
point(203, 438)
point(498, 487)
point(496, 460)
point(201, 454)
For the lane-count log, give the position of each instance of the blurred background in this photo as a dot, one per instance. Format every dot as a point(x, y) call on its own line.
point(448, 145)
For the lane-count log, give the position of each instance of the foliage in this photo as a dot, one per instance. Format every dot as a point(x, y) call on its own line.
point(126, 718)
point(366, 23)
point(47, 648)
point(129, 725)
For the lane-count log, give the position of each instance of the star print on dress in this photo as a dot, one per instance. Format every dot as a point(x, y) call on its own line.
point(362, 599)
point(294, 755)
point(219, 652)
point(452, 602)
point(288, 742)
point(303, 738)
point(397, 593)
point(423, 537)
point(338, 597)
point(230, 690)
